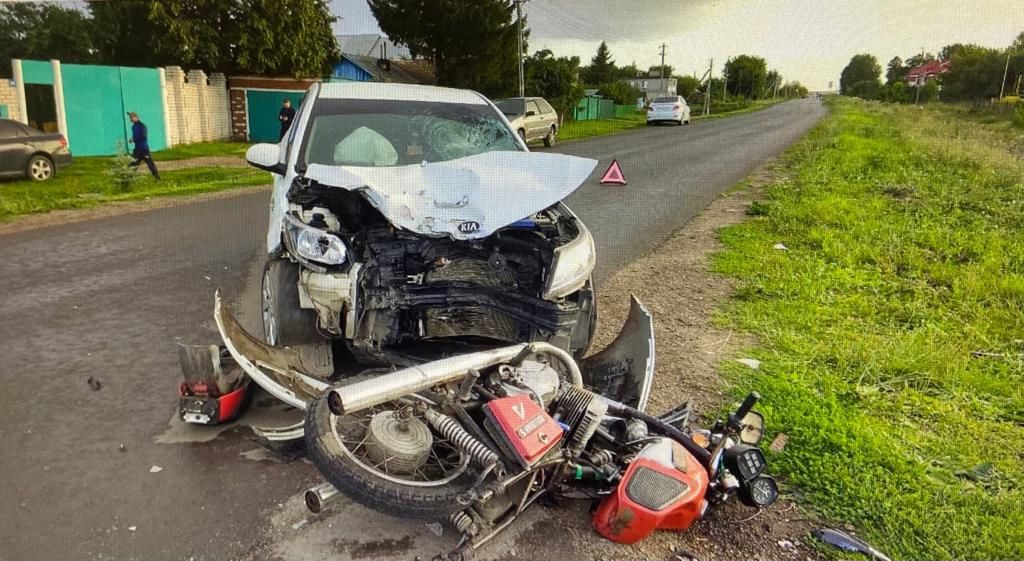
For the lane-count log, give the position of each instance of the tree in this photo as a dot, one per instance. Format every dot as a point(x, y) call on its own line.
point(602, 68)
point(554, 79)
point(975, 74)
point(949, 51)
point(619, 92)
point(794, 89)
point(929, 91)
point(861, 77)
point(43, 32)
point(686, 86)
point(628, 71)
point(895, 71)
point(745, 76)
point(234, 36)
point(772, 81)
point(471, 43)
point(655, 71)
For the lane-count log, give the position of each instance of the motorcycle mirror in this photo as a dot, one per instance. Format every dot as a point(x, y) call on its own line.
point(753, 428)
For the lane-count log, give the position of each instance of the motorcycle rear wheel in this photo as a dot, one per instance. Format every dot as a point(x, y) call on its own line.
point(371, 488)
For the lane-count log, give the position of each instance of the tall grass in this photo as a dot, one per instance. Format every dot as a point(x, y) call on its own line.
point(892, 331)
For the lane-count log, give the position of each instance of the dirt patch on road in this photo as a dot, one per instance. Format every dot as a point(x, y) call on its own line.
point(675, 283)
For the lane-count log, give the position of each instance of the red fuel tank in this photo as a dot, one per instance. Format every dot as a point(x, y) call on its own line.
point(663, 488)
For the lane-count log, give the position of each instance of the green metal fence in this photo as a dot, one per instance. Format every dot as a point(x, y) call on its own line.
point(590, 108)
point(263, 107)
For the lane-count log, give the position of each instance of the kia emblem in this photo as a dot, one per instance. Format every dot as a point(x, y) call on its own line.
point(469, 227)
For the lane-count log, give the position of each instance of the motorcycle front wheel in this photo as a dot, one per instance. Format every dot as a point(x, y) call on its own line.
point(388, 459)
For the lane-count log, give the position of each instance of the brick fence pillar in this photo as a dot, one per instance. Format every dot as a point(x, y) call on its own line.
point(239, 115)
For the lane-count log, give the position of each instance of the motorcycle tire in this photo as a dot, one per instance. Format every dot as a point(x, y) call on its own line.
point(368, 488)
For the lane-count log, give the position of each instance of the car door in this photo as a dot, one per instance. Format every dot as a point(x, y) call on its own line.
point(534, 122)
point(550, 116)
point(14, 149)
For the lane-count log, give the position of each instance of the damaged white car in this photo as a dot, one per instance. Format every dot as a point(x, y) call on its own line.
point(411, 222)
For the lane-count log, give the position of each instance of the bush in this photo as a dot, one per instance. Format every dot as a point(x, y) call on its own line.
point(122, 175)
point(619, 92)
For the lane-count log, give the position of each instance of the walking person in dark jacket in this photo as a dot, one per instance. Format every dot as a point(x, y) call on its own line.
point(285, 115)
point(140, 138)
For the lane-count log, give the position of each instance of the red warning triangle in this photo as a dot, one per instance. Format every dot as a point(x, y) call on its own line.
point(614, 175)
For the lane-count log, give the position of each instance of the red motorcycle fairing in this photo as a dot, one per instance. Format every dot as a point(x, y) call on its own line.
point(663, 488)
point(522, 428)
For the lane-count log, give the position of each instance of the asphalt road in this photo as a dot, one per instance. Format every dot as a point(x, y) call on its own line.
point(109, 298)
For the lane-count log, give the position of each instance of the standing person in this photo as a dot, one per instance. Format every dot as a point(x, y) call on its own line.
point(140, 138)
point(285, 116)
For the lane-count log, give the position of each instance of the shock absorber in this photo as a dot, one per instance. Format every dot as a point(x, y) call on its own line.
point(464, 523)
point(454, 433)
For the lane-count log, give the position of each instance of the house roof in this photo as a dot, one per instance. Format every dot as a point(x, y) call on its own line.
point(930, 67)
point(368, 44)
point(400, 71)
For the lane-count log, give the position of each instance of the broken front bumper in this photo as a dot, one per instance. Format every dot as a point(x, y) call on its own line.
point(623, 371)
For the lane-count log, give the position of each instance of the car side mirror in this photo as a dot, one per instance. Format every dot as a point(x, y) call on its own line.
point(265, 157)
point(753, 428)
point(531, 113)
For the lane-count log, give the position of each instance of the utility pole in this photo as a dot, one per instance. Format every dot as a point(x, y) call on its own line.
point(725, 82)
point(707, 90)
point(662, 73)
point(519, 20)
point(917, 99)
point(1002, 86)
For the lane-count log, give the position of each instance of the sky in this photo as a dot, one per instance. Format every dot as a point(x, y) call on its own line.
point(806, 40)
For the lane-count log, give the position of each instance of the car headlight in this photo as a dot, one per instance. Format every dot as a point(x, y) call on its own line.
point(571, 265)
point(313, 244)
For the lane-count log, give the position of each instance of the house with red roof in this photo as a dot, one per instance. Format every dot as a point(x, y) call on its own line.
point(919, 75)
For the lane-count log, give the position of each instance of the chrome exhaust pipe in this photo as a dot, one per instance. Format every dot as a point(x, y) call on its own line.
point(345, 400)
point(320, 496)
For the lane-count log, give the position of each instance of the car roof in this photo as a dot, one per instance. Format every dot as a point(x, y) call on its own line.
point(399, 92)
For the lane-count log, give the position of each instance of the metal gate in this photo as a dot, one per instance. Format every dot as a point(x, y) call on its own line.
point(262, 108)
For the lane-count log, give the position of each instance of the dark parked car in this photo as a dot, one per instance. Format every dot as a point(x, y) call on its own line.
point(27, 152)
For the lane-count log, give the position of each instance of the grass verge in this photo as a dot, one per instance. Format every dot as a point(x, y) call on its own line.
point(891, 330)
point(575, 130)
point(201, 149)
point(85, 183)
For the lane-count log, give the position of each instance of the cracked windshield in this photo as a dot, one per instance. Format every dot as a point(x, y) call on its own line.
point(512, 279)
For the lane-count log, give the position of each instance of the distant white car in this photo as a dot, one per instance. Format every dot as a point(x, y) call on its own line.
point(670, 108)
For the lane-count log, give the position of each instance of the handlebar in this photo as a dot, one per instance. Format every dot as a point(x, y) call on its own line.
point(747, 405)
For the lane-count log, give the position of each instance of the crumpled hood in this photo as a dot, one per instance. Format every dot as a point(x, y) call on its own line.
point(466, 198)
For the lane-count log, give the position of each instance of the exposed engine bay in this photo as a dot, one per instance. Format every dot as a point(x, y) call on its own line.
point(395, 288)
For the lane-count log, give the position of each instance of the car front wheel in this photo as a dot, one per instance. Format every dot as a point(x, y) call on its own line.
point(39, 168)
point(284, 322)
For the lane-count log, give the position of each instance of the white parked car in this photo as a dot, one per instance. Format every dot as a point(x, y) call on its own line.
point(411, 220)
point(669, 109)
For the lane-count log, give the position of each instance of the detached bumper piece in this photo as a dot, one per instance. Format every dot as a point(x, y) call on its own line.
point(215, 388)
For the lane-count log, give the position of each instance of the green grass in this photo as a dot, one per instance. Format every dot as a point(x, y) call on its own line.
point(905, 230)
point(85, 183)
point(574, 130)
point(200, 149)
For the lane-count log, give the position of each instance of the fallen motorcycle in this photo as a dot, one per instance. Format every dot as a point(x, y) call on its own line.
point(478, 438)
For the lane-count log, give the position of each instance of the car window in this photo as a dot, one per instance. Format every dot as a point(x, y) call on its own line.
point(511, 107)
point(8, 129)
point(532, 106)
point(380, 133)
point(666, 100)
point(545, 107)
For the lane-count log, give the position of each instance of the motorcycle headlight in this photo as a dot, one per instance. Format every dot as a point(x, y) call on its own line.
point(571, 266)
point(313, 244)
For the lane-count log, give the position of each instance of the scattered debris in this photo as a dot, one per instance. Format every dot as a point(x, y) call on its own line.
point(683, 554)
point(780, 247)
point(845, 541)
point(299, 524)
point(437, 528)
point(787, 545)
point(207, 277)
point(122, 447)
point(132, 528)
point(779, 442)
point(94, 383)
point(155, 469)
point(752, 363)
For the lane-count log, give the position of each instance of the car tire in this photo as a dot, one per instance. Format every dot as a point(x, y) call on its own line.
point(549, 140)
point(284, 322)
point(39, 168)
